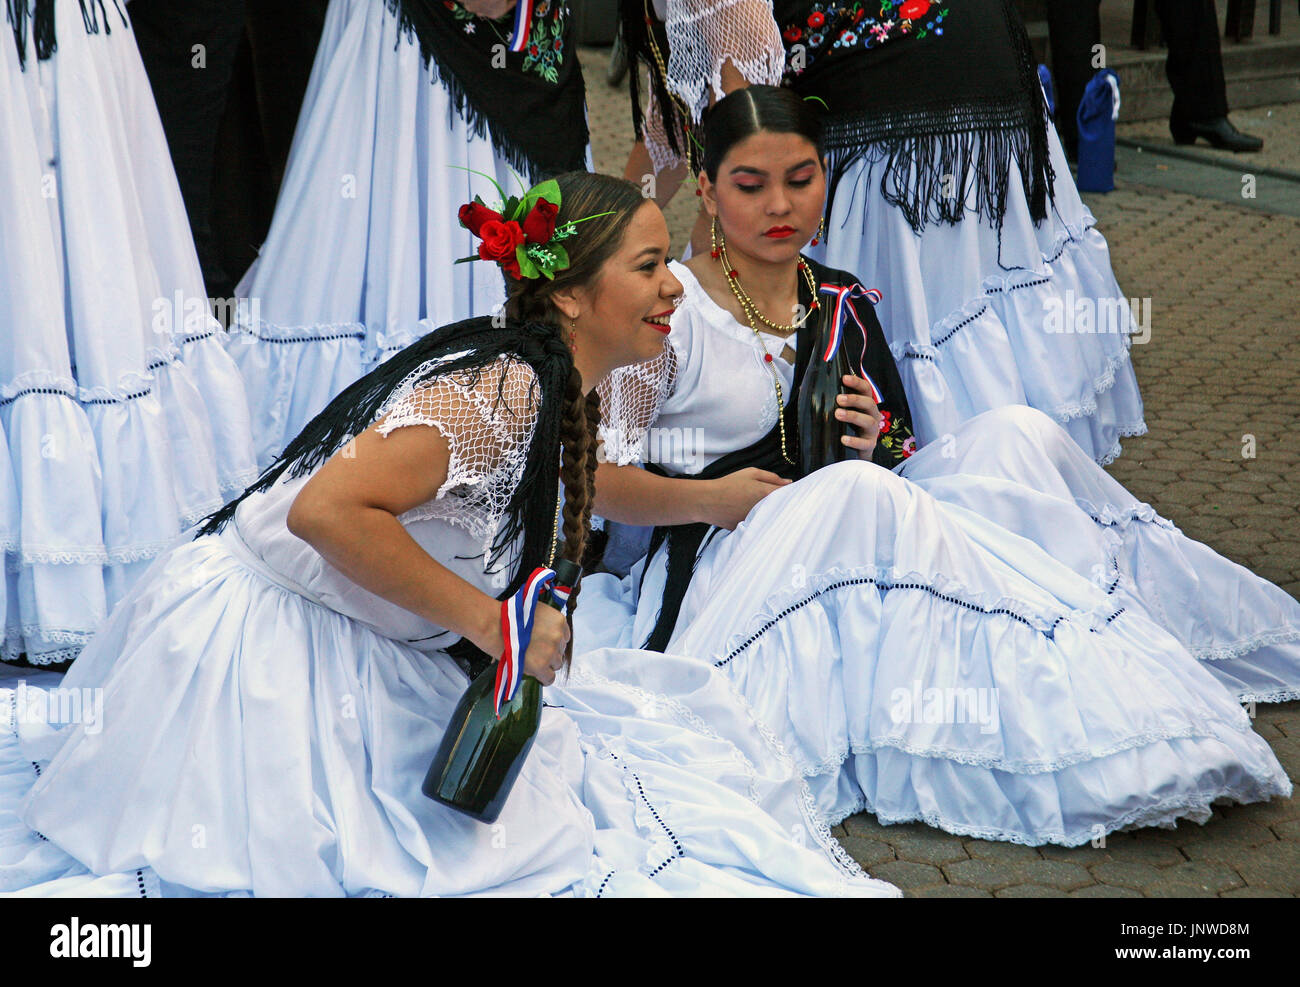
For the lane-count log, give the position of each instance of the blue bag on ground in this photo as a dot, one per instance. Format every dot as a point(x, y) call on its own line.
point(1098, 111)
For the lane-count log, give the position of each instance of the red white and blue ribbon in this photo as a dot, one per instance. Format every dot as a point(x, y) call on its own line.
point(517, 630)
point(523, 21)
point(844, 295)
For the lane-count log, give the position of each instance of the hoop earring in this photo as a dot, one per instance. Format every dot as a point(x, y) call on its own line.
point(821, 231)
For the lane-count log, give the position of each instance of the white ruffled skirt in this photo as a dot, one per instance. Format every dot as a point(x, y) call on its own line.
point(122, 418)
point(1005, 644)
point(360, 258)
point(225, 735)
point(979, 318)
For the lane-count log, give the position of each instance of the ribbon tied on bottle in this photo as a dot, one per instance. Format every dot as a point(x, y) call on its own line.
point(844, 295)
point(517, 613)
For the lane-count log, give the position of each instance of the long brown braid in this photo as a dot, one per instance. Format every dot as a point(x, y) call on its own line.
point(578, 473)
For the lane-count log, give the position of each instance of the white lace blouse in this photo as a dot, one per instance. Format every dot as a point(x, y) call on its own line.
point(710, 393)
point(488, 440)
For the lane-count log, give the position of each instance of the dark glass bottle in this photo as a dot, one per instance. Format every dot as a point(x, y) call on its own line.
point(480, 755)
point(819, 430)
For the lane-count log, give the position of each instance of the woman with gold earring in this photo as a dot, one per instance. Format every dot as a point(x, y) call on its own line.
point(992, 636)
point(946, 180)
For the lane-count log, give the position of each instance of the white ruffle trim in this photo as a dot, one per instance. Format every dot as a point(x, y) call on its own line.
point(1165, 814)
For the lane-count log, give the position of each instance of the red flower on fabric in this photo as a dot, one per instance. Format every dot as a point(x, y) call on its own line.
point(909, 445)
point(913, 9)
point(792, 34)
point(885, 421)
point(857, 18)
point(534, 50)
point(816, 19)
point(539, 224)
point(499, 242)
point(473, 215)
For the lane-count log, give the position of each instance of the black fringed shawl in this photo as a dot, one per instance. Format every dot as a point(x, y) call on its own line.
point(532, 505)
point(948, 100)
point(531, 103)
point(39, 14)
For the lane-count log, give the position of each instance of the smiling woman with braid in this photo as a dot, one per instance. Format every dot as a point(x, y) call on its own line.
point(280, 683)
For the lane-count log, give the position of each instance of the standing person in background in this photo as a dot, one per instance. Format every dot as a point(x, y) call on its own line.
point(407, 99)
point(946, 182)
point(1194, 66)
point(124, 418)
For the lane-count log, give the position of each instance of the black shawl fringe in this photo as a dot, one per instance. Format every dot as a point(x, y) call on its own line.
point(933, 160)
point(40, 14)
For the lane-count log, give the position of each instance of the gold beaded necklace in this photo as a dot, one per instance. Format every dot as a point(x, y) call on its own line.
point(719, 253)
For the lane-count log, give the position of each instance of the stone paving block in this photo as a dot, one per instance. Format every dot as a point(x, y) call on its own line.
point(1126, 875)
point(1289, 830)
point(1193, 879)
point(868, 853)
point(1029, 891)
point(1105, 891)
point(983, 874)
point(1150, 847)
point(1001, 852)
point(908, 875)
point(1250, 892)
point(927, 846)
point(864, 824)
point(950, 891)
point(1278, 869)
point(1234, 831)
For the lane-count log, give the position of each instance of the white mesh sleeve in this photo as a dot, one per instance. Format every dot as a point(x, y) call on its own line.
point(702, 34)
point(630, 400)
point(488, 423)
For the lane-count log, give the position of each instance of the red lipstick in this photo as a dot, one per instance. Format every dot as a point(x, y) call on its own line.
point(780, 232)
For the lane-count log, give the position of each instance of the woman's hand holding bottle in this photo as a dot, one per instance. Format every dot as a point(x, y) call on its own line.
point(857, 409)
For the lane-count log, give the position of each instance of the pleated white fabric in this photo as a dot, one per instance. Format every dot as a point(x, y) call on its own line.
point(979, 318)
point(1001, 642)
point(359, 261)
point(249, 740)
point(124, 420)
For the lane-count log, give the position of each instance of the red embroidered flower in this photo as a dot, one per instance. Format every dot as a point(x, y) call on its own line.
point(499, 242)
point(857, 18)
point(816, 19)
point(534, 50)
point(885, 421)
point(909, 445)
point(792, 33)
point(539, 224)
point(913, 9)
point(473, 215)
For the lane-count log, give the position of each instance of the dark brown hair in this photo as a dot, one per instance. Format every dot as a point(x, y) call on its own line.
point(529, 300)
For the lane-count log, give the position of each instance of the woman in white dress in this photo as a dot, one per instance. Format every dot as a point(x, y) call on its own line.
point(122, 418)
point(947, 182)
point(259, 713)
point(407, 99)
point(993, 637)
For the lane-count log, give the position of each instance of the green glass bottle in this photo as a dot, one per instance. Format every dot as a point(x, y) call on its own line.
point(481, 755)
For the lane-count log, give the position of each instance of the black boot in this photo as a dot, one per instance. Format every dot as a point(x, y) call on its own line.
point(1218, 131)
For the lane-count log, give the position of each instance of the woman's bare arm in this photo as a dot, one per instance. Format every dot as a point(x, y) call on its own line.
point(632, 495)
point(348, 512)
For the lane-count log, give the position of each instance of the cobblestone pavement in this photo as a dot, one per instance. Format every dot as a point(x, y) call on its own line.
point(1222, 366)
point(1277, 126)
